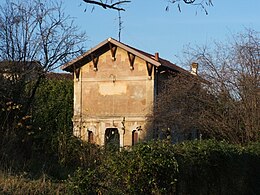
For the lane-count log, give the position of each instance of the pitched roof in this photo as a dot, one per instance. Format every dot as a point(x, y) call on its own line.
point(104, 46)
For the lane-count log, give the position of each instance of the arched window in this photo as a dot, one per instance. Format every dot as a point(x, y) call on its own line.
point(134, 137)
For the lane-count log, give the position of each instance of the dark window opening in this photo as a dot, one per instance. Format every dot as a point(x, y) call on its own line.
point(90, 137)
point(134, 137)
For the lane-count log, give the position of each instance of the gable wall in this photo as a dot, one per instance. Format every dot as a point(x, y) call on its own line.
point(104, 97)
point(115, 90)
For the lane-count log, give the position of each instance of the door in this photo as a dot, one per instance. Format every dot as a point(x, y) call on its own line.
point(134, 137)
point(112, 139)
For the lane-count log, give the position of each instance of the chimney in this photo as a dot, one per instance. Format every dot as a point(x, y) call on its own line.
point(156, 56)
point(194, 68)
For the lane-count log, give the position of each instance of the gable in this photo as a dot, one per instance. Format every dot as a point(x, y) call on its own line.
point(119, 65)
point(114, 88)
point(111, 45)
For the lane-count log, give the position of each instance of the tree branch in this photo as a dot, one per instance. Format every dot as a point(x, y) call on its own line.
point(105, 5)
point(200, 3)
point(189, 1)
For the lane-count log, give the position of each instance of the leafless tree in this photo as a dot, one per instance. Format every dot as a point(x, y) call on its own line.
point(227, 105)
point(35, 37)
point(37, 31)
point(177, 107)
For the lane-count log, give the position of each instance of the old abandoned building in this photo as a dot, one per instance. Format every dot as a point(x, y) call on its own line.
point(115, 86)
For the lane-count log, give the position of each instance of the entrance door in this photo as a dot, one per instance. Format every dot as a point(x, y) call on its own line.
point(112, 139)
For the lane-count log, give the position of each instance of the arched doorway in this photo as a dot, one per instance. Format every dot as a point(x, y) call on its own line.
point(90, 137)
point(134, 137)
point(112, 139)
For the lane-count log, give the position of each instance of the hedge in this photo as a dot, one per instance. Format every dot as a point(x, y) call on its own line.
point(194, 167)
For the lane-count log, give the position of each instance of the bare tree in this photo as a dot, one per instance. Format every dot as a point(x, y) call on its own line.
point(177, 107)
point(37, 31)
point(234, 72)
point(35, 37)
point(227, 106)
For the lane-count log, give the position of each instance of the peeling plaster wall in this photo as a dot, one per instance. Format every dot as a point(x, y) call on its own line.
point(114, 96)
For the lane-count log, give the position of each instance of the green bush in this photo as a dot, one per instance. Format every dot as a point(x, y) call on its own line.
point(193, 167)
point(158, 167)
point(148, 168)
point(213, 167)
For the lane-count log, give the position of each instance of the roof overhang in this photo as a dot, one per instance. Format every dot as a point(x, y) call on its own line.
point(102, 48)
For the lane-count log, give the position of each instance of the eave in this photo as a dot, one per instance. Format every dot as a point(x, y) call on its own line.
point(102, 48)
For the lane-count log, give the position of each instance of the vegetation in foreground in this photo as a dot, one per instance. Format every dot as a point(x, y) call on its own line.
point(157, 167)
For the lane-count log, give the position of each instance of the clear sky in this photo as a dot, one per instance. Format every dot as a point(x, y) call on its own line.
point(147, 26)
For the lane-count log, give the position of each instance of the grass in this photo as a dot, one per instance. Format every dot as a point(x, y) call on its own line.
point(20, 185)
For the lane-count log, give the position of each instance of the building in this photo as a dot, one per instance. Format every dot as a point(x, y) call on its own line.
point(115, 86)
point(16, 70)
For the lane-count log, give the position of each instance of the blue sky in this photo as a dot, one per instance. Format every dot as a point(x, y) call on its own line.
point(147, 26)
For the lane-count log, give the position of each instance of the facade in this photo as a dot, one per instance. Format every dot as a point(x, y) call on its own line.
point(115, 86)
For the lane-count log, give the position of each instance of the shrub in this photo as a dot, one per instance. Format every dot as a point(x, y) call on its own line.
point(214, 167)
point(148, 168)
point(159, 167)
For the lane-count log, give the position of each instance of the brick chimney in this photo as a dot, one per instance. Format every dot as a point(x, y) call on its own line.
point(194, 68)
